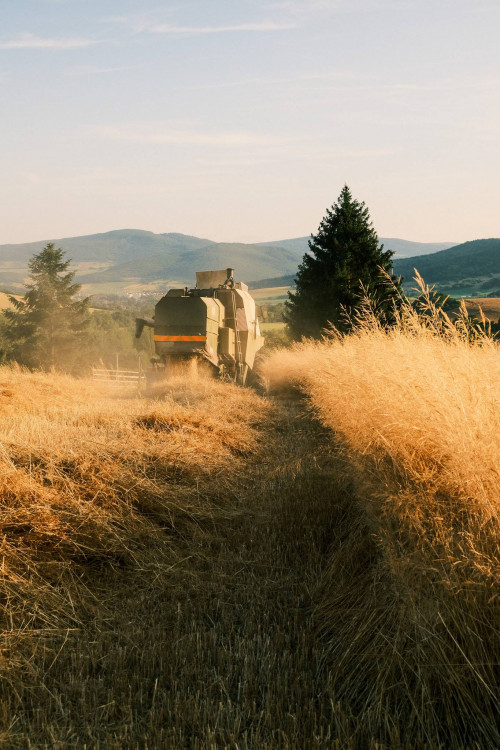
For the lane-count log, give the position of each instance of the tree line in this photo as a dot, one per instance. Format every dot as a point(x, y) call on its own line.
point(346, 269)
point(344, 265)
point(52, 327)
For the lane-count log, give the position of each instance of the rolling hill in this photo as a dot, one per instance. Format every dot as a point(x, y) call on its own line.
point(114, 261)
point(471, 269)
point(276, 281)
point(466, 269)
point(249, 260)
point(402, 248)
point(111, 247)
point(96, 252)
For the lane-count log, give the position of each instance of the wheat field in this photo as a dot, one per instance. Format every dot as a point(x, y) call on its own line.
point(151, 592)
point(206, 567)
point(411, 612)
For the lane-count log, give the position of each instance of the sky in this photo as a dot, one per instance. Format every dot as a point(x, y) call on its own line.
point(241, 120)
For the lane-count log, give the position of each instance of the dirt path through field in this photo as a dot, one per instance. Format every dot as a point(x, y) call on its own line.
point(221, 648)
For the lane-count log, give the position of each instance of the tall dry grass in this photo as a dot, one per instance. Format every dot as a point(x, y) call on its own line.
point(411, 604)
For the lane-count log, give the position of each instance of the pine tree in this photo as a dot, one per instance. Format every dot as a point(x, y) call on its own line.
point(47, 328)
point(344, 263)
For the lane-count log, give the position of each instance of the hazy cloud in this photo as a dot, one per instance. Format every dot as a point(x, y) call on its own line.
point(304, 8)
point(307, 6)
point(34, 178)
point(339, 75)
point(263, 26)
point(168, 136)
point(30, 41)
point(302, 153)
point(82, 70)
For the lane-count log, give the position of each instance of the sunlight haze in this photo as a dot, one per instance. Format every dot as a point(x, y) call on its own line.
point(241, 121)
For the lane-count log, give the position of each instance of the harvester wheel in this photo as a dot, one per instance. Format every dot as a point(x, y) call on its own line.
point(254, 378)
point(241, 374)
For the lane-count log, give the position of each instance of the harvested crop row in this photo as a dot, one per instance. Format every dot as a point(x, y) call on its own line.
point(91, 482)
point(159, 560)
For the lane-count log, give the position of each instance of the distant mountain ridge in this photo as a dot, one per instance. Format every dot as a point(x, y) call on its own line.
point(471, 266)
point(117, 246)
point(402, 248)
point(130, 259)
point(120, 245)
point(470, 269)
point(250, 262)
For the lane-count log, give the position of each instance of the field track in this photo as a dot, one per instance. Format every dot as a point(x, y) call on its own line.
point(195, 569)
point(213, 642)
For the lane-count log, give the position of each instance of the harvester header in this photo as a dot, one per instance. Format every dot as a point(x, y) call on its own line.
point(215, 321)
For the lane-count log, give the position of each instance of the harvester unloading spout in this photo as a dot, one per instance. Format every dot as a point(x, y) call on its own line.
point(140, 323)
point(215, 321)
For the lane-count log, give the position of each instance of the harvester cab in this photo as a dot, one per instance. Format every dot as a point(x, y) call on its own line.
point(216, 322)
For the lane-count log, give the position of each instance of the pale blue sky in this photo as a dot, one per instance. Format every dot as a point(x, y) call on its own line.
point(241, 120)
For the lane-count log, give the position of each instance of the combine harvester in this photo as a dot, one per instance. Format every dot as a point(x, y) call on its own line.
point(215, 322)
